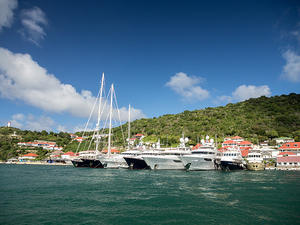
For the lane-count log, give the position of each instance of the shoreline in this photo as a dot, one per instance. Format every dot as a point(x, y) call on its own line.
point(36, 163)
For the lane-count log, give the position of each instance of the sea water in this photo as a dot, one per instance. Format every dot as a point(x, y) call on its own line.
point(35, 194)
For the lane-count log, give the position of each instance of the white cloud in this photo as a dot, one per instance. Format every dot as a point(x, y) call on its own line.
point(21, 78)
point(291, 70)
point(187, 86)
point(33, 20)
point(30, 122)
point(6, 12)
point(244, 92)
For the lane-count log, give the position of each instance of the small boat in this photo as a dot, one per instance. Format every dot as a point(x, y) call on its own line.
point(255, 161)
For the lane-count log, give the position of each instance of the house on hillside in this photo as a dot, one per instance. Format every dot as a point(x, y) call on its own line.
point(282, 140)
point(68, 155)
point(245, 144)
point(290, 147)
point(229, 143)
point(139, 136)
point(28, 157)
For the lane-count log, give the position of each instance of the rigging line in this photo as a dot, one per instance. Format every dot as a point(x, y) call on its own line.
point(116, 102)
point(91, 140)
point(87, 123)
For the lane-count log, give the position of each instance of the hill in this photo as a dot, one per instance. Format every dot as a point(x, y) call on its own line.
point(256, 119)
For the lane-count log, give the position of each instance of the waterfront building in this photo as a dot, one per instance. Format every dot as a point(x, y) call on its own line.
point(288, 161)
point(68, 155)
point(290, 147)
point(28, 157)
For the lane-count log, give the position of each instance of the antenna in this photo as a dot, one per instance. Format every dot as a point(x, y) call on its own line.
point(110, 117)
point(129, 127)
point(99, 113)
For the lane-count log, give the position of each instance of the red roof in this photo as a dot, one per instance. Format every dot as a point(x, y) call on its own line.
point(245, 148)
point(223, 149)
point(245, 143)
point(229, 142)
point(236, 137)
point(112, 151)
point(287, 153)
point(290, 145)
point(139, 135)
point(244, 152)
point(69, 153)
point(31, 154)
point(196, 146)
point(288, 159)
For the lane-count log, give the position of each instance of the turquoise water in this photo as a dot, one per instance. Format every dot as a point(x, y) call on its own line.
point(34, 194)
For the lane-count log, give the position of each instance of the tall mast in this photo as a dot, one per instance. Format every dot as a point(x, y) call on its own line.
point(99, 113)
point(129, 127)
point(110, 115)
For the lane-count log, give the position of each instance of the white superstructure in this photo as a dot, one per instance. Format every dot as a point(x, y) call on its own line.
point(202, 158)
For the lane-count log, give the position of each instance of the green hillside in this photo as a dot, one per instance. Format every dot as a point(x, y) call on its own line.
point(255, 119)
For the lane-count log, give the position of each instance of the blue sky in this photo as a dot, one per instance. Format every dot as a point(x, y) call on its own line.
point(163, 57)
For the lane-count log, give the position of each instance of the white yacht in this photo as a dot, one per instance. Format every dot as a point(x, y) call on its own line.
point(255, 161)
point(116, 161)
point(202, 158)
point(232, 160)
point(168, 159)
point(137, 161)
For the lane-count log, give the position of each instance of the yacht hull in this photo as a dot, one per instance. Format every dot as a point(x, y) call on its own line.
point(90, 163)
point(164, 162)
point(136, 163)
point(229, 165)
point(256, 166)
point(114, 162)
point(198, 163)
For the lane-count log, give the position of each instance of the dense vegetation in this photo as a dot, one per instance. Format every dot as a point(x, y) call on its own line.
point(256, 119)
point(8, 142)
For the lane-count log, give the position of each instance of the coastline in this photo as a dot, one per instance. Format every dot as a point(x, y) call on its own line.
point(36, 163)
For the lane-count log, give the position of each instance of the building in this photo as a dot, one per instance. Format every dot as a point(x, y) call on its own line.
point(245, 144)
point(229, 143)
point(288, 161)
point(235, 139)
point(68, 155)
point(290, 147)
point(79, 139)
point(28, 157)
point(283, 140)
point(139, 136)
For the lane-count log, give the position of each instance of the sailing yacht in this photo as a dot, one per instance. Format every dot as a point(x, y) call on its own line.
point(113, 161)
point(90, 158)
point(202, 158)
